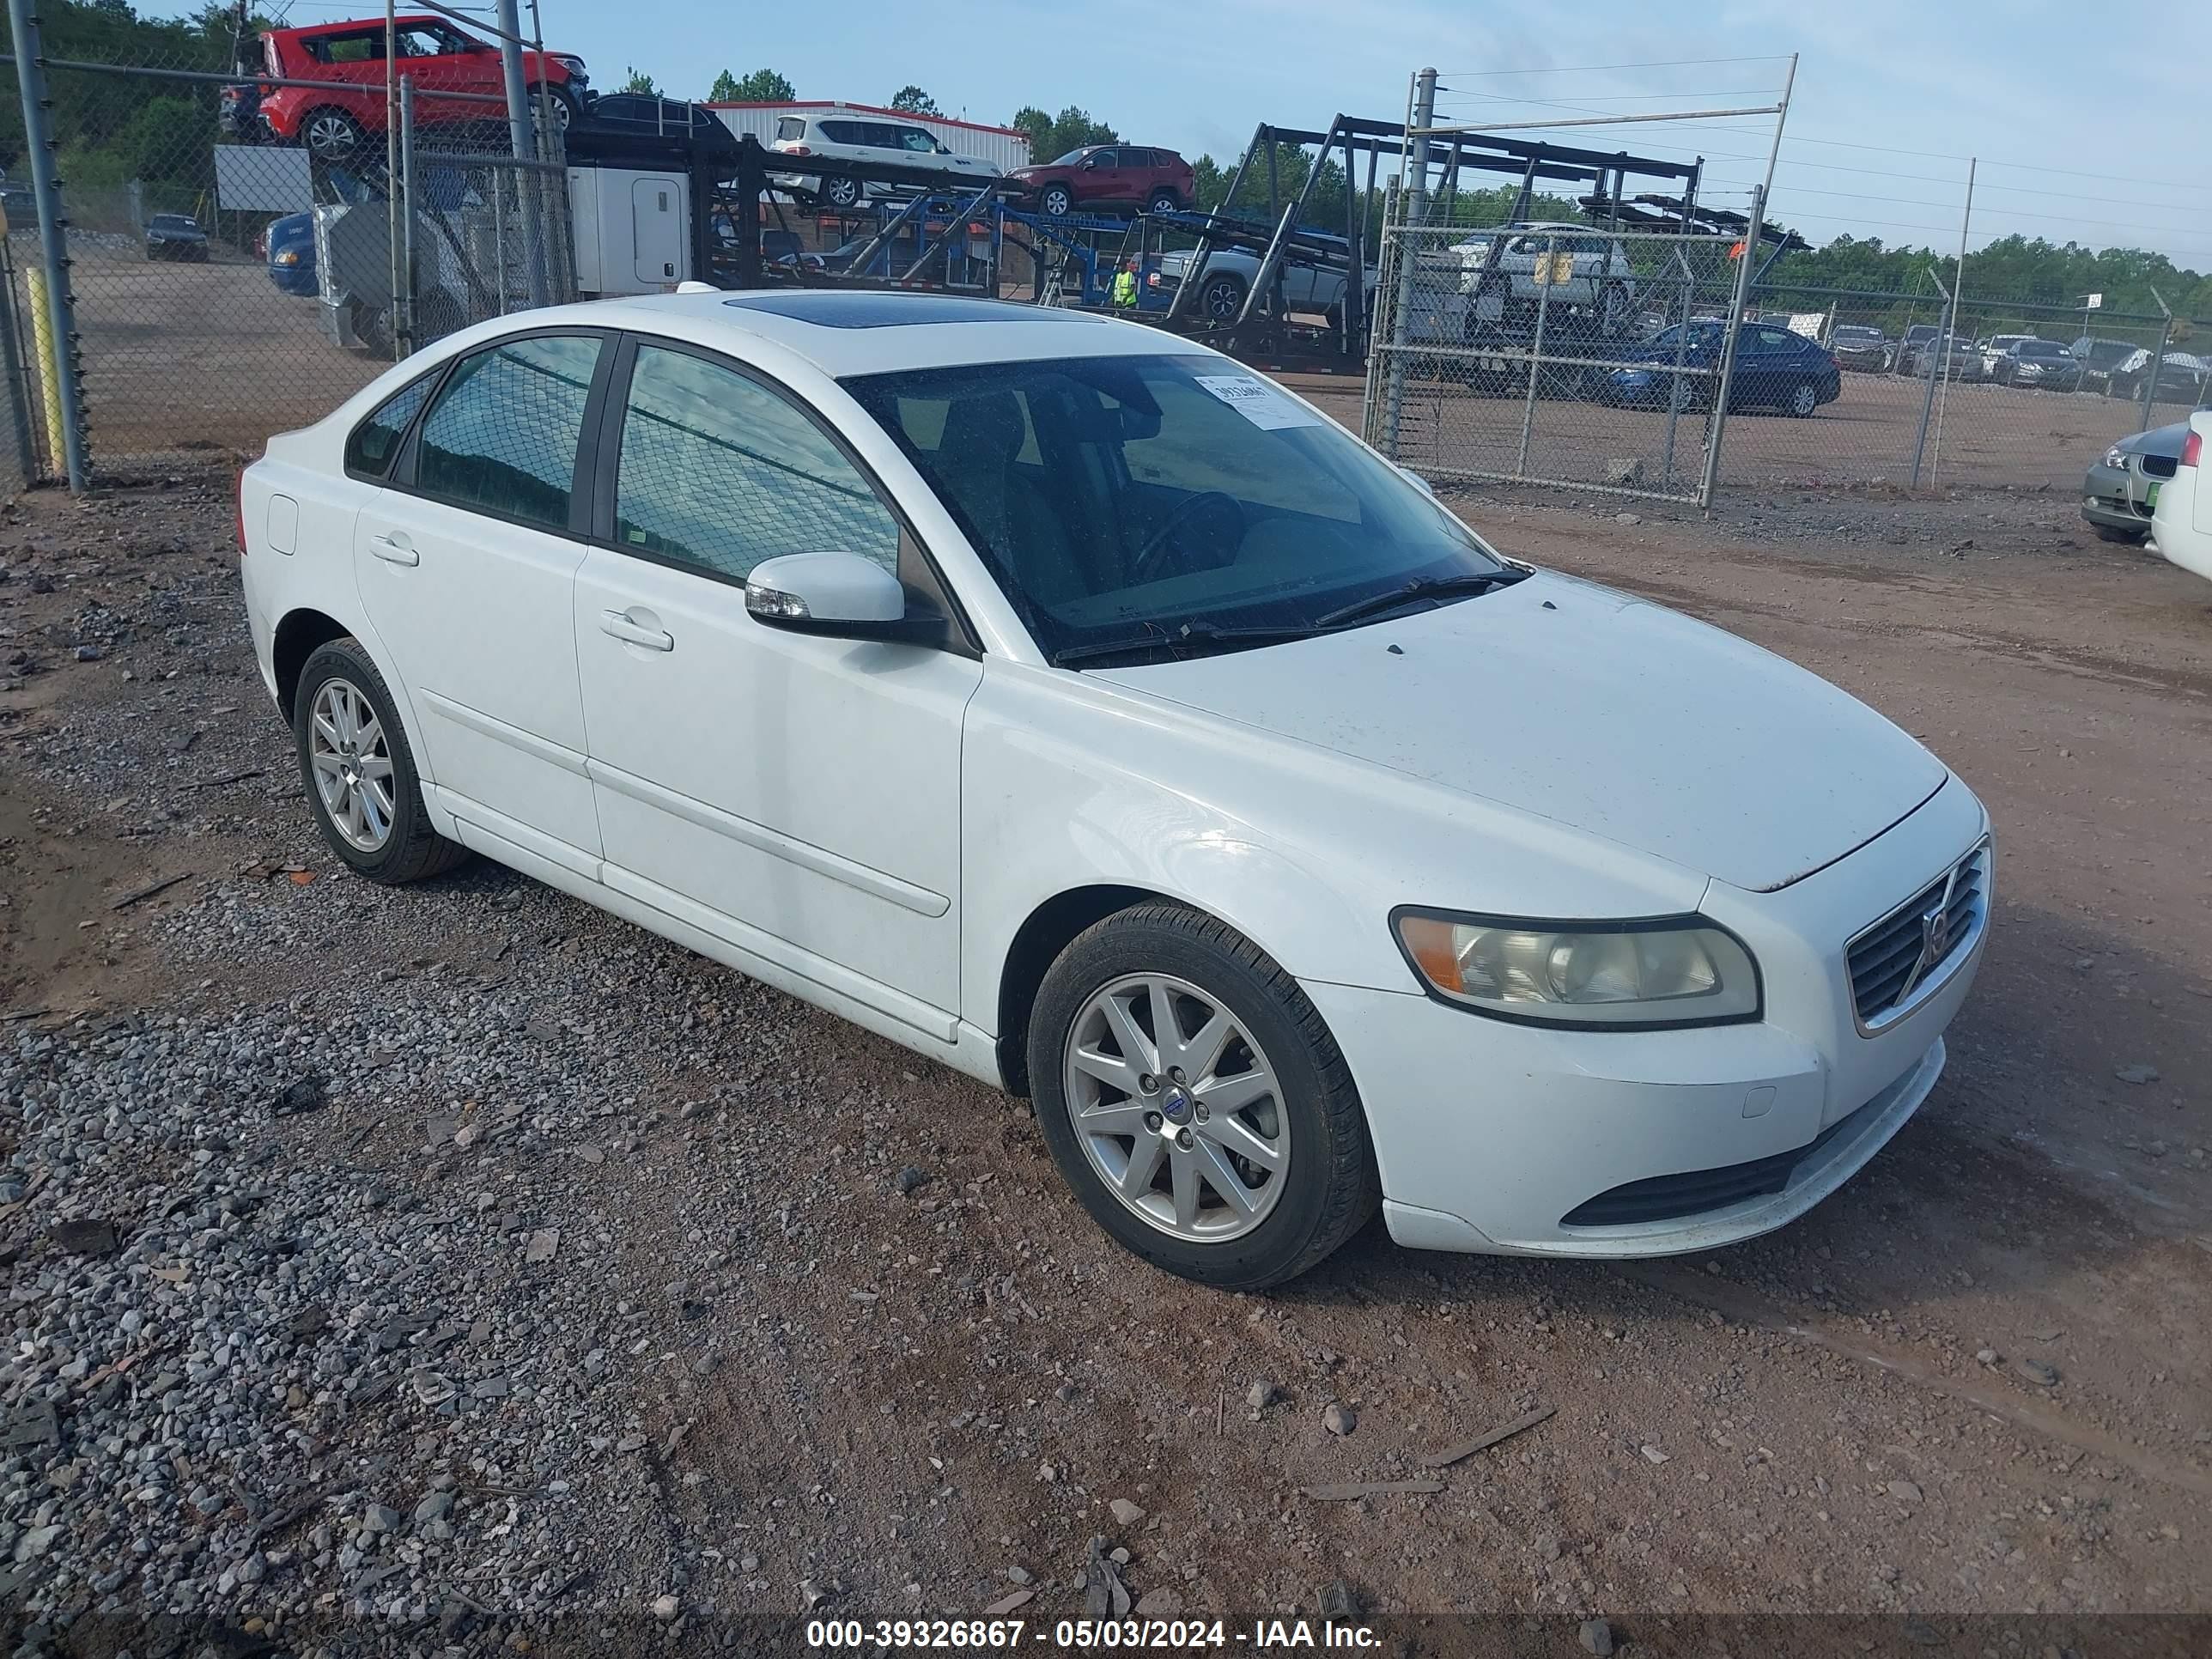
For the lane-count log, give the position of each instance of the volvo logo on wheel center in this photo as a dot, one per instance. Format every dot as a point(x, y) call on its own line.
point(1176, 1105)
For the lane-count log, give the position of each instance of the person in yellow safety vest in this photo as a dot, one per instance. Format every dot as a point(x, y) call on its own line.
point(1125, 287)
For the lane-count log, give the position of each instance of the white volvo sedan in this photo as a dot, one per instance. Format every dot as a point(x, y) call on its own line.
point(1065, 701)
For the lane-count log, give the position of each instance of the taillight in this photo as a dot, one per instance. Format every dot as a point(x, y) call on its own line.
point(795, 149)
point(241, 513)
point(2192, 447)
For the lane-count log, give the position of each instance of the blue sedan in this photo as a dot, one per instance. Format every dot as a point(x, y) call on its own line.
point(1774, 369)
point(292, 253)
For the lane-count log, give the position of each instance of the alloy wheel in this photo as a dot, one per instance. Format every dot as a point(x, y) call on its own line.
point(1804, 400)
point(1176, 1109)
point(331, 134)
point(1223, 300)
point(351, 762)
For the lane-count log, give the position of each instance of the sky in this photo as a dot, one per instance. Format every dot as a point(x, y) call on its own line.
point(2088, 127)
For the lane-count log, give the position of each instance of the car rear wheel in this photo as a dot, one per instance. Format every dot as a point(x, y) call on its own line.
point(360, 771)
point(1805, 399)
point(1054, 201)
point(330, 135)
point(1162, 201)
point(841, 192)
point(1196, 1102)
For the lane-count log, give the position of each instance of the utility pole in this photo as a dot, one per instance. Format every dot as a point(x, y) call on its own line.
point(518, 133)
point(1416, 210)
point(59, 364)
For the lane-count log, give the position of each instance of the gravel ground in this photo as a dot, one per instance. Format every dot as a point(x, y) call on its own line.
point(458, 1266)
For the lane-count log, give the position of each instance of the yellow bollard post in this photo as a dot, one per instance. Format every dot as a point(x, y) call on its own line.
point(42, 345)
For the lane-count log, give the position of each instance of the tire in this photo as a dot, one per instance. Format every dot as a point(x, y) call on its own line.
point(1220, 297)
point(409, 848)
point(2112, 533)
point(1055, 201)
point(1328, 1186)
point(1163, 200)
point(329, 134)
point(841, 192)
point(561, 103)
point(1804, 400)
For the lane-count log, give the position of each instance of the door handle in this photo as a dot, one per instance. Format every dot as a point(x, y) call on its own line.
point(394, 549)
point(619, 624)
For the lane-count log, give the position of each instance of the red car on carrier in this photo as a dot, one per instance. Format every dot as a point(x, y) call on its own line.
point(333, 122)
point(1122, 177)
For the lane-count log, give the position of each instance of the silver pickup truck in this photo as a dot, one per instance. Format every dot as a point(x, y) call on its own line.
point(1229, 276)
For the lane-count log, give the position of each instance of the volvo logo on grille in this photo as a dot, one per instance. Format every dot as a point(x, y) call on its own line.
point(1936, 923)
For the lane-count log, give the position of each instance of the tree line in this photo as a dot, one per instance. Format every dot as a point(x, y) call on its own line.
point(113, 130)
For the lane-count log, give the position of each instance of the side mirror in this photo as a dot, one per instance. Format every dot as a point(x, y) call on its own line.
point(839, 594)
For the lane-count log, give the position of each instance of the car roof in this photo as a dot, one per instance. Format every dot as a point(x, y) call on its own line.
point(872, 331)
point(401, 20)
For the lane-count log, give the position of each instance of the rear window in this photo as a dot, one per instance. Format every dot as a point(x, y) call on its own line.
point(789, 127)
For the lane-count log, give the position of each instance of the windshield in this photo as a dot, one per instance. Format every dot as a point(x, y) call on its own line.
point(2043, 349)
point(1858, 335)
point(1150, 499)
point(1071, 158)
point(1699, 334)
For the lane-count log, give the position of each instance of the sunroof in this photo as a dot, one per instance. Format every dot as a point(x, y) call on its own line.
point(875, 308)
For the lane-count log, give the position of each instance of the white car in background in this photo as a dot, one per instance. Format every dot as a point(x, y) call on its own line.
point(1067, 702)
point(2181, 519)
point(847, 137)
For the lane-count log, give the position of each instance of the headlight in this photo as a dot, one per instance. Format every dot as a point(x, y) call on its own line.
point(2116, 457)
point(1616, 975)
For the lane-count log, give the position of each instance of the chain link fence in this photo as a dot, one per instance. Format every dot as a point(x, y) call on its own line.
point(241, 254)
point(1592, 359)
point(1587, 357)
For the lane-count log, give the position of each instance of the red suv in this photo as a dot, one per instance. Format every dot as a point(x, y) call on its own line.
point(1119, 176)
point(437, 56)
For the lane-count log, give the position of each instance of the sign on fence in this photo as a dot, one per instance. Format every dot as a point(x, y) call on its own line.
point(262, 179)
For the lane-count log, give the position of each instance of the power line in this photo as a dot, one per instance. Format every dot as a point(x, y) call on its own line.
point(1592, 69)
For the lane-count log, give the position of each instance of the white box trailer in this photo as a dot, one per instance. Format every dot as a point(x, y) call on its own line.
point(632, 230)
point(1004, 148)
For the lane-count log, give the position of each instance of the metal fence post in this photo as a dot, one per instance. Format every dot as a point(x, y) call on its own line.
point(402, 302)
point(1417, 207)
point(1939, 359)
point(1726, 379)
point(1549, 270)
point(517, 132)
point(1958, 305)
point(60, 313)
point(2157, 363)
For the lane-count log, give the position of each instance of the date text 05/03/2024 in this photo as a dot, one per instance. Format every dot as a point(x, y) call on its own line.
point(1091, 1635)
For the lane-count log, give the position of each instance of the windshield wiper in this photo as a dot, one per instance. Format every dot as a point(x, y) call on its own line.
point(1192, 635)
point(1421, 587)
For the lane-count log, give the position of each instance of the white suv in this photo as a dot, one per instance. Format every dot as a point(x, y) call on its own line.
point(852, 137)
point(1595, 270)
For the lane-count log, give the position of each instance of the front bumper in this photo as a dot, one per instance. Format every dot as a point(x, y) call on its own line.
point(2114, 497)
point(1489, 1135)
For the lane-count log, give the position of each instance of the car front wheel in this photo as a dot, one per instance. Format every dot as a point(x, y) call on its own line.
point(1054, 201)
point(1196, 1102)
point(360, 771)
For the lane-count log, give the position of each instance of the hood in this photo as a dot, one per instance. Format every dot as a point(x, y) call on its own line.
point(1598, 710)
point(2165, 441)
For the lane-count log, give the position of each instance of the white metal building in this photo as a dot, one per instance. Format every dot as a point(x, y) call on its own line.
point(1003, 147)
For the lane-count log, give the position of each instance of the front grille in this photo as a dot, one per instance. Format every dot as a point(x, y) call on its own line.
point(1670, 1198)
point(1899, 953)
point(2160, 466)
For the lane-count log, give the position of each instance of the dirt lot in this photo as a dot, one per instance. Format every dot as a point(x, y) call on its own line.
point(816, 1322)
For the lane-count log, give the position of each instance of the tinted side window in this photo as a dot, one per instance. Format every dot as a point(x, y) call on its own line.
point(371, 446)
point(840, 132)
point(503, 435)
point(719, 472)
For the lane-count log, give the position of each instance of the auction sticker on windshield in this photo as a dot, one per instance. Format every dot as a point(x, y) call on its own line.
point(1263, 404)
